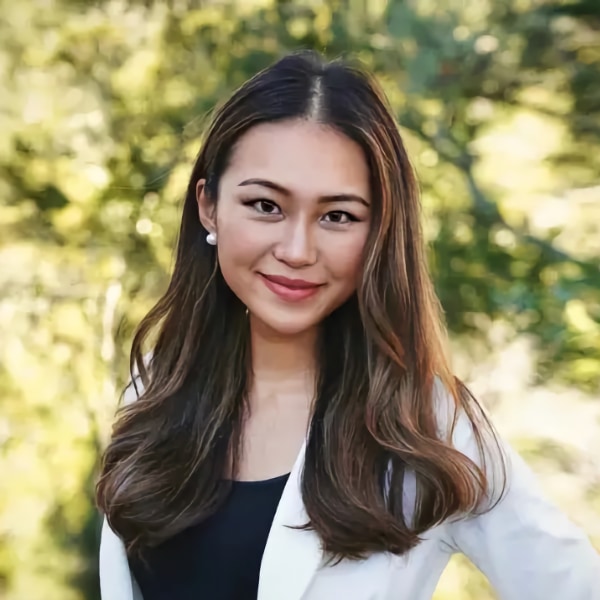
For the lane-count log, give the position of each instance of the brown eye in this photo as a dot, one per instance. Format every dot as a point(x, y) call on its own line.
point(263, 206)
point(339, 217)
point(266, 206)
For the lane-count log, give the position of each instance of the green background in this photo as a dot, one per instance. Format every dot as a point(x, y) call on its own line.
point(101, 108)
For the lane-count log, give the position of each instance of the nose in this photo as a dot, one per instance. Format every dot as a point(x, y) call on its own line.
point(296, 248)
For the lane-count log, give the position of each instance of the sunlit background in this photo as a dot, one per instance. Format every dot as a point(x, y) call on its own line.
point(101, 107)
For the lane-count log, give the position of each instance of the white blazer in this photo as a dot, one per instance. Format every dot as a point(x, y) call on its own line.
point(525, 546)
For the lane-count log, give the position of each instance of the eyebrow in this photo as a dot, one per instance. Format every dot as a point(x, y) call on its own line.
point(322, 199)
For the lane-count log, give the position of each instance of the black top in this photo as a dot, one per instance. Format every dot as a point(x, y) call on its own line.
point(220, 558)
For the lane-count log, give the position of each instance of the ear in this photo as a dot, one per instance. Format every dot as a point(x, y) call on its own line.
point(206, 208)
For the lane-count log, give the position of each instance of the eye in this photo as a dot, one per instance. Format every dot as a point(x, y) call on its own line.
point(264, 206)
point(339, 217)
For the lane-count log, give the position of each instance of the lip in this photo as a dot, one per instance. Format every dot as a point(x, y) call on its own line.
point(292, 290)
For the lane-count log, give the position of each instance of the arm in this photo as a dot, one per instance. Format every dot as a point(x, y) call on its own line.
point(525, 546)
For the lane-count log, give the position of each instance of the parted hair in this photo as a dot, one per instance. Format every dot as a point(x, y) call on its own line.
point(382, 359)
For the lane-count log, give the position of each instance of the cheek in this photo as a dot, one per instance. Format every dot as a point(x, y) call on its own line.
point(239, 248)
point(236, 237)
point(344, 258)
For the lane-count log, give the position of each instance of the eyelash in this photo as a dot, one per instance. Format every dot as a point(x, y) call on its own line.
point(256, 201)
point(253, 204)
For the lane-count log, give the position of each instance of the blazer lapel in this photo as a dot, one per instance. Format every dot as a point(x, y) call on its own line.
point(291, 556)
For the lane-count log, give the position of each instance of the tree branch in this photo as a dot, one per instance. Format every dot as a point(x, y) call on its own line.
point(488, 209)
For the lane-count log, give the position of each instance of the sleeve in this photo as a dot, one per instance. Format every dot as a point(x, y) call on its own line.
point(526, 547)
point(116, 580)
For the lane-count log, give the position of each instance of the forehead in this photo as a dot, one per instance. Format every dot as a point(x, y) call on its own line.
point(301, 155)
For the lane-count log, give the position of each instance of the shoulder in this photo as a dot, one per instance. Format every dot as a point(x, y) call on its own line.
point(463, 422)
point(468, 428)
point(465, 429)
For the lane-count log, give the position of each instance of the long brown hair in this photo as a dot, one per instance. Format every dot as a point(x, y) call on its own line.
point(383, 379)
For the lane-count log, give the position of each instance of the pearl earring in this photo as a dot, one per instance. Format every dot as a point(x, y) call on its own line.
point(211, 239)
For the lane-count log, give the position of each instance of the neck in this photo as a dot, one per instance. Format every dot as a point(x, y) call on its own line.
point(282, 363)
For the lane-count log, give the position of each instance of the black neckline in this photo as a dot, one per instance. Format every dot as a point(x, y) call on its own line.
point(259, 482)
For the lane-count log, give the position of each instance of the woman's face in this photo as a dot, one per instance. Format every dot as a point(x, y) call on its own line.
point(292, 219)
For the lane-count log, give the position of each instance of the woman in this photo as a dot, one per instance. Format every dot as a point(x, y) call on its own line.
point(298, 432)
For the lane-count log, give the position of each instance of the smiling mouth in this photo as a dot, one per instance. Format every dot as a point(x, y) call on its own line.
point(300, 284)
point(291, 290)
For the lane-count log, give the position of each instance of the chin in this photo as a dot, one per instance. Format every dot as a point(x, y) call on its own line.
point(287, 327)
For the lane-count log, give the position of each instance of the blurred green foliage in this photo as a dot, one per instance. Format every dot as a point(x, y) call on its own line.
point(101, 112)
